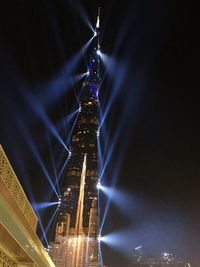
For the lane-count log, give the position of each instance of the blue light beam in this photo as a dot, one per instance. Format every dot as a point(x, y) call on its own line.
point(51, 220)
point(43, 205)
point(64, 80)
point(24, 131)
point(39, 110)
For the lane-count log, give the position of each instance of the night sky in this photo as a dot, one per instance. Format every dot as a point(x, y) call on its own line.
point(153, 79)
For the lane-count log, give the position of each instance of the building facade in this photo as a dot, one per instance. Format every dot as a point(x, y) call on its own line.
point(19, 243)
point(76, 232)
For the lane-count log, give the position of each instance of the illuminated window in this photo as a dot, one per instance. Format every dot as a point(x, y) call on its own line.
point(75, 139)
point(91, 145)
point(74, 173)
point(94, 178)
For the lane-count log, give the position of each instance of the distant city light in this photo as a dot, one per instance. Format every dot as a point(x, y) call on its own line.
point(167, 257)
point(87, 72)
point(79, 109)
point(95, 33)
point(70, 153)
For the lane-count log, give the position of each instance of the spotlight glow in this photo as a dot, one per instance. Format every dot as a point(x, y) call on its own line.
point(59, 201)
point(99, 238)
point(99, 185)
point(102, 239)
point(98, 51)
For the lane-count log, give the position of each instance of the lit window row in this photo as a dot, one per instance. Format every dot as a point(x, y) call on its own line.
point(88, 120)
point(74, 173)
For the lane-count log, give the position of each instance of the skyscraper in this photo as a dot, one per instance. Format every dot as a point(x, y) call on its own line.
point(76, 232)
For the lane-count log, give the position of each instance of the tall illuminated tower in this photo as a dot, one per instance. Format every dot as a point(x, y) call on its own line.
point(76, 233)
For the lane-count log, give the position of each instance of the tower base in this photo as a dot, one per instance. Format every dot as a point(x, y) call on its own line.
point(75, 251)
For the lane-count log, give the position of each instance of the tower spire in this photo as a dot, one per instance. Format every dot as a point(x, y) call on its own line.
point(93, 77)
point(98, 19)
point(97, 30)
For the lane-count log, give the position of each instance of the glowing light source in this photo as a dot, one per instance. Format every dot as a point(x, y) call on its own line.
point(98, 185)
point(101, 238)
point(95, 33)
point(70, 153)
point(59, 201)
point(98, 51)
point(138, 248)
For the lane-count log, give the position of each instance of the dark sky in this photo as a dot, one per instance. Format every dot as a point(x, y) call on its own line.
point(154, 115)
